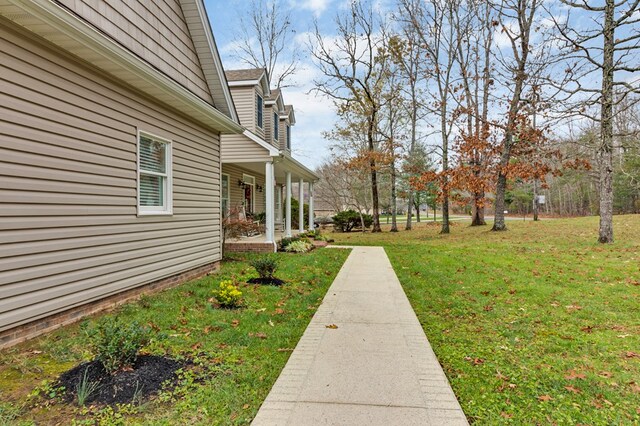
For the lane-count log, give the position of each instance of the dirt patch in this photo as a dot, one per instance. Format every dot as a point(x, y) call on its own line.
point(139, 383)
point(267, 281)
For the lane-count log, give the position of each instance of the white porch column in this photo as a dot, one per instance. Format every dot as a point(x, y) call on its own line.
point(270, 202)
point(301, 208)
point(311, 218)
point(287, 229)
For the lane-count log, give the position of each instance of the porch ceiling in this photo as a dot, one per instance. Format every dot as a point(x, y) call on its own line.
point(281, 165)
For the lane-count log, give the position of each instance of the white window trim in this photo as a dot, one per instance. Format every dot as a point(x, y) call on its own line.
point(246, 178)
point(168, 195)
point(228, 195)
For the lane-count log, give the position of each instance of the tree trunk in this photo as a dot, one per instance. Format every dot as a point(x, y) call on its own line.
point(605, 152)
point(501, 189)
point(374, 176)
point(394, 203)
point(416, 200)
point(409, 210)
point(477, 215)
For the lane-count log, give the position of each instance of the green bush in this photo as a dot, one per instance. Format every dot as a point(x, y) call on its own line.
point(283, 243)
point(300, 246)
point(349, 220)
point(228, 295)
point(265, 266)
point(116, 343)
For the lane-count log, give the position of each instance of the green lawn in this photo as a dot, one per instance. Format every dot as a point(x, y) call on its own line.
point(239, 353)
point(537, 325)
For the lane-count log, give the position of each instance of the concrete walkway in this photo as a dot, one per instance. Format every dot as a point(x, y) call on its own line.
point(375, 368)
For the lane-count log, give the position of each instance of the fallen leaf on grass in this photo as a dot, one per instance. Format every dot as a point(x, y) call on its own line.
point(544, 398)
point(488, 308)
point(271, 323)
point(630, 354)
point(587, 329)
point(572, 389)
point(245, 406)
point(574, 375)
point(196, 346)
point(574, 307)
point(261, 310)
point(506, 415)
point(331, 326)
point(622, 336)
point(285, 349)
point(279, 311)
point(235, 323)
point(258, 335)
point(605, 374)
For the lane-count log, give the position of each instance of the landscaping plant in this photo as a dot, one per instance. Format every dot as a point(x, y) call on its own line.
point(116, 344)
point(349, 220)
point(300, 246)
point(228, 295)
point(265, 266)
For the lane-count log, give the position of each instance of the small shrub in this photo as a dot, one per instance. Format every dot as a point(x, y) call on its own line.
point(228, 295)
point(349, 220)
point(300, 246)
point(282, 245)
point(116, 344)
point(265, 266)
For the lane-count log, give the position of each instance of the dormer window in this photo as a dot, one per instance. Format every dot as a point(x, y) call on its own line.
point(259, 105)
point(289, 138)
point(275, 126)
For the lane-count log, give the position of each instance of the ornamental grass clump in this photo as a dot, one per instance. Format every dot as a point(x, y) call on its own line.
point(228, 295)
point(301, 246)
point(116, 344)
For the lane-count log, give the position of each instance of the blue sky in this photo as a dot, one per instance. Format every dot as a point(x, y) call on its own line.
point(313, 115)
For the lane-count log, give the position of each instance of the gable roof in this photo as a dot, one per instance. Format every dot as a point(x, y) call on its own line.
point(74, 34)
point(199, 26)
point(276, 99)
point(288, 109)
point(249, 74)
point(249, 77)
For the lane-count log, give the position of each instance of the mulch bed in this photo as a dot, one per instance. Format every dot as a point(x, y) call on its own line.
point(266, 281)
point(142, 381)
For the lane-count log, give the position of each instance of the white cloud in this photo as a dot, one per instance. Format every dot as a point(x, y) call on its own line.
point(316, 6)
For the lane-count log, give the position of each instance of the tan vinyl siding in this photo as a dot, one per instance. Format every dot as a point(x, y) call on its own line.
point(283, 134)
point(69, 233)
point(235, 173)
point(268, 125)
point(155, 30)
point(239, 148)
point(244, 99)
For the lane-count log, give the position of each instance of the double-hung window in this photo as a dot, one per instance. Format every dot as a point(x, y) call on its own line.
point(259, 106)
point(154, 175)
point(275, 126)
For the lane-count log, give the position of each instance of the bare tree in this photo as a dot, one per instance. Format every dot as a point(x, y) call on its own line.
point(476, 26)
point(608, 53)
point(353, 76)
point(516, 19)
point(266, 41)
point(408, 54)
point(433, 23)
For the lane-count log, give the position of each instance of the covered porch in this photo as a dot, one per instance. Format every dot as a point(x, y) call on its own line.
point(274, 200)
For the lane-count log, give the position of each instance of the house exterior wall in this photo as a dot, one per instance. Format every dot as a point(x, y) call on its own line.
point(268, 125)
point(69, 230)
point(245, 100)
point(283, 134)
point(155, 30)
point(239, 148)
point(235, 173)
